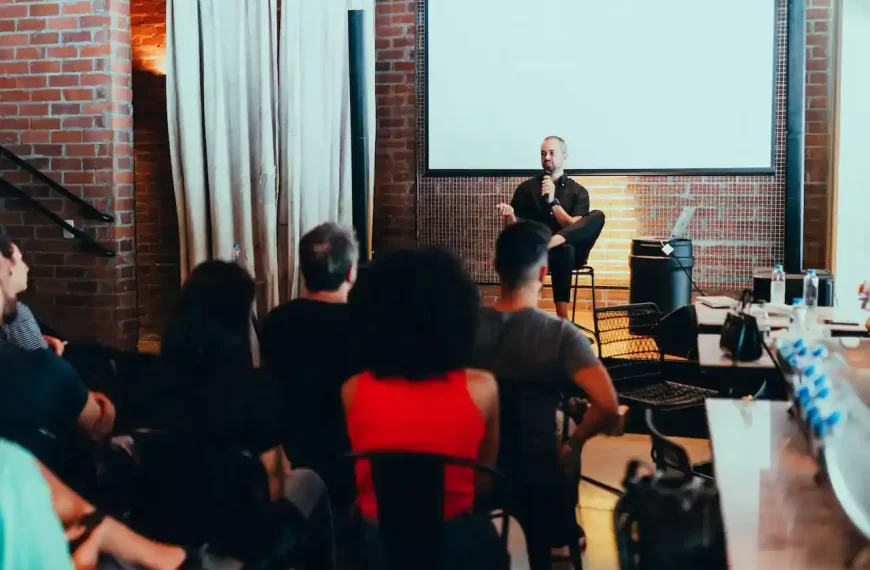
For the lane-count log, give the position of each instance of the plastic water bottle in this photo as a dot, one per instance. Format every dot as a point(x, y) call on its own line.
point(777, 286)
point(811, 289)
point(798, 318)
point(237, 253)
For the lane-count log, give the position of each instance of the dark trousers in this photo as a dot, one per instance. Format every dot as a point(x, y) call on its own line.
point(579, 239)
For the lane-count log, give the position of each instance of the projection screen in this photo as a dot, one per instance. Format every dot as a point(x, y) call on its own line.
point(665, 86)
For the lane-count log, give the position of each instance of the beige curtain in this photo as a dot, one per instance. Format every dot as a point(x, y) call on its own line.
point(222, 96)
point(234, 127)
point(314, 118)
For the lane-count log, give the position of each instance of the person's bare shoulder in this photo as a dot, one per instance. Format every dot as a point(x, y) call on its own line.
point(482, 387)
point(348, 389)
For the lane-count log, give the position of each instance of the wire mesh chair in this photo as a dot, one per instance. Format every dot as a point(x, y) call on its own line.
point(626, 340)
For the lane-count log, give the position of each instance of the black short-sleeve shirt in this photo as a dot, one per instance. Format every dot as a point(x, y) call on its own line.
point(528, 204)
point(40, 389)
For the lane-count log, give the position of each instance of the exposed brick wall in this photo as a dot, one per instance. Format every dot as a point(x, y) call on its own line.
point(394, 223)
point(819, 130)
point(65, 104)
point(738, 205)
point(157, 256)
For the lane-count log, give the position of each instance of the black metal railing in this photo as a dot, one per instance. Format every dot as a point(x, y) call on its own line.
point(88, 212)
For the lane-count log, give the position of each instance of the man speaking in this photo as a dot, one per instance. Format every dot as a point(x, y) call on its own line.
point(562, 205)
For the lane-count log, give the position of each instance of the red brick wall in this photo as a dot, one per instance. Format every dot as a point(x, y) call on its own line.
point(819, 130)
point(157, 255)
point(394, 223)
point(65, 104)
point(396, 194)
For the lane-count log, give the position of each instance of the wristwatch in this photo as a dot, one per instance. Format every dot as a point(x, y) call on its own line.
point(555, 202)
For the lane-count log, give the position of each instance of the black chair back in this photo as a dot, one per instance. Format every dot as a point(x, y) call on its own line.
point(409, 489)
point(628, 348)
point(195, 492)
point(669, 457)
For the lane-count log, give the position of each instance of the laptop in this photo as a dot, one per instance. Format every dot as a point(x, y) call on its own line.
point(681, 228)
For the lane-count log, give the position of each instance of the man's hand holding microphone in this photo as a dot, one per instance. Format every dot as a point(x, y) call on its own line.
point(548, 188)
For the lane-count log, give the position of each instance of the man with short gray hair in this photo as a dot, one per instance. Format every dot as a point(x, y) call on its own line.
point(308, 347)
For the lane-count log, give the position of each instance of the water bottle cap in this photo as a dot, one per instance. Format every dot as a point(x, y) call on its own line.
point(820, 380)
point(802, 351)
point(803, 392)
point(778, 267)
point(810, 370)
point(799, 342)
point(812, 414)
point(820, 351)
point(792, 361)
point(823, 393)
point(811, 272)
point(820, 427)
point(835, 418)
point(797, 301)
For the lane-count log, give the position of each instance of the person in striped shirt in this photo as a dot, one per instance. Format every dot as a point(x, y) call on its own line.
point(20, 327)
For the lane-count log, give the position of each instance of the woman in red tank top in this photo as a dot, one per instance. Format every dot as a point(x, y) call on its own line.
point(416, 312)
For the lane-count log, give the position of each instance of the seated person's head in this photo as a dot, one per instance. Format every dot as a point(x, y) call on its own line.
point(416, 314)
point(211, 324)
point(521, 256)
point(14, 271)
point(328, 257)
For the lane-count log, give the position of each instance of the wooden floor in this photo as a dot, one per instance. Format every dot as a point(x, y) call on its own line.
point(604, 459)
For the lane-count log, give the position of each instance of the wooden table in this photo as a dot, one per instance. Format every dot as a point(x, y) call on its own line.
point(709, 317)
point(775, 514)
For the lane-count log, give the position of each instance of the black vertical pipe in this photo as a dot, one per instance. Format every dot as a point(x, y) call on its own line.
point(794, 145)
point(359, 130)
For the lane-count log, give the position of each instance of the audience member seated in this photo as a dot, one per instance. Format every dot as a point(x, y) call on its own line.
point(543, 356)
point(217, 400)
point(309, 348)
point(20, 328)
point(41, 391)
point(416, 314)
point(36, 508)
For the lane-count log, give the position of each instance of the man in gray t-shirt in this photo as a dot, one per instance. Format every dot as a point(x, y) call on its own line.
point(536, 357)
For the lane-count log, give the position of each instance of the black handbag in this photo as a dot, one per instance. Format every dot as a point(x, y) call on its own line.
point(741, 337)
point(669, 523)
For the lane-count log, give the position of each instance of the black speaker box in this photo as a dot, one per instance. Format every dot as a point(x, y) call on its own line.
point(794, 286)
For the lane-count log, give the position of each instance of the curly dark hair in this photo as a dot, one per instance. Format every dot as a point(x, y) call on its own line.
point(416, 314)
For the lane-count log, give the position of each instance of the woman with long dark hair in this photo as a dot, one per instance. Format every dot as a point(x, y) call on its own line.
point(215, 399)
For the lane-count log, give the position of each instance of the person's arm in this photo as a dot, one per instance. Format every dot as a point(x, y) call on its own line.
point(587, 372)
point(579, 209)
point(97, 418)
point(277, 468)
point(110, 537)
point(484, 392)
point(564, 218)
point(603, 408)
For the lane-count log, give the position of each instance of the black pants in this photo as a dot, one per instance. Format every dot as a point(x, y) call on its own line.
point(579, 239)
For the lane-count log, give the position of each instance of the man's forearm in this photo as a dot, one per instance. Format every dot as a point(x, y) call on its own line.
point(595, 421)
point(563, 217)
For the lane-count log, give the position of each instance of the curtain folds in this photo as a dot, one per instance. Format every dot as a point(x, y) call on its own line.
point(260, 145)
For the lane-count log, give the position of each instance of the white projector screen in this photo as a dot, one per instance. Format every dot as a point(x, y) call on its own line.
point(665, 86)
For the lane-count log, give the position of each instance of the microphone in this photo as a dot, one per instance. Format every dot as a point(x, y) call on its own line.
point(546, 177)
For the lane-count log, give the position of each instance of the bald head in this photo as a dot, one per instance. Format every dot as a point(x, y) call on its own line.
point(554, 153)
